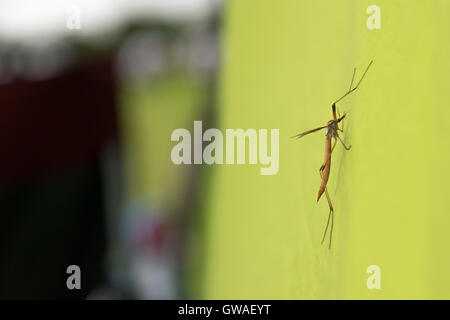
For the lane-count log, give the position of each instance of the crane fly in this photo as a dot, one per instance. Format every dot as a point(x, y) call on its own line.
point(332, 131)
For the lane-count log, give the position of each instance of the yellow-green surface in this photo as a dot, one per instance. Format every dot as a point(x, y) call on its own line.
point(150, 111)
point(284, 62)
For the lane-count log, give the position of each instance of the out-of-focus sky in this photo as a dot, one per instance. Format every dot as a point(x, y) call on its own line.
point(22, 20)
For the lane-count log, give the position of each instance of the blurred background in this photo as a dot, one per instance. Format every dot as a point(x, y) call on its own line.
point(90, 92)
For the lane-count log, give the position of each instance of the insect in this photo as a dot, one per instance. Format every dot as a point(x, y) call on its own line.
point(332, 131)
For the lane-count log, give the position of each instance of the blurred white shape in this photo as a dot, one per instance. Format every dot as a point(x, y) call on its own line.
point(28, 20)
point(154, 276)
point(142, 55)
point(74, 18)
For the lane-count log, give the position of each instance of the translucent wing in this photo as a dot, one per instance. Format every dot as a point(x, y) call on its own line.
point(298, 136)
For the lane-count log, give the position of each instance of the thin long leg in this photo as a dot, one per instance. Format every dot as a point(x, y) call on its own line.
point(326, 228)
point(364, 74)
point(351, 90)
point(330, 214)
point(353, 77)
point(330, 205)
point(346, 148)
point(333, 107)
point(331, 230)
point(334, 145)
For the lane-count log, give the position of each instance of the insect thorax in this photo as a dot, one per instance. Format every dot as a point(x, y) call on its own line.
point(332, 128)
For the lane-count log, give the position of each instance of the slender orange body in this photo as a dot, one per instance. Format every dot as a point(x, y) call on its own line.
point(326, 168)
point(332, 128)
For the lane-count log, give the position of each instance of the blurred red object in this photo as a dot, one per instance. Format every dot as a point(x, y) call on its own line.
point(57, 123)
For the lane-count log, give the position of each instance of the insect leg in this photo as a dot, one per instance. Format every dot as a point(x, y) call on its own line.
point(353, 78)
point(330, 214)
point(326, 228)
point(357, 85)
point(346, 148)
point(332, 226)
point(334, 145)
point(333, 107)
